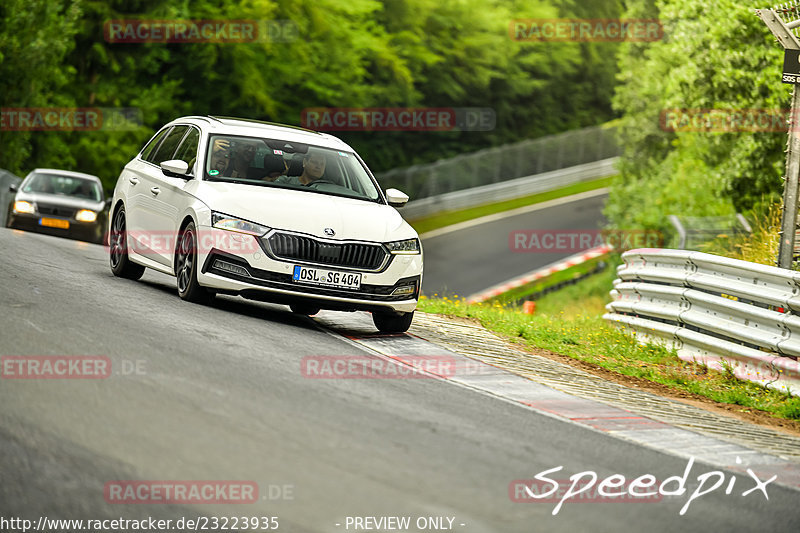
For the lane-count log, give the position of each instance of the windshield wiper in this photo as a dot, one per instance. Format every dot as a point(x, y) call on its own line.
point(230, 180)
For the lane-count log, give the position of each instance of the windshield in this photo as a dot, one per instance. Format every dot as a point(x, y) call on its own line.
point(274, 163)
point(64, 185)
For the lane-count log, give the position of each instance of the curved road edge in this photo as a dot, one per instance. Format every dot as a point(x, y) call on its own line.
point(486, 364)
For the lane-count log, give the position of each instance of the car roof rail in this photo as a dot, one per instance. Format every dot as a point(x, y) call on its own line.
point(265, 123)
point(193, 116)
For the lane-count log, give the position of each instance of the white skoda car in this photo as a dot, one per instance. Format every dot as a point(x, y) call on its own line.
point(267, 212)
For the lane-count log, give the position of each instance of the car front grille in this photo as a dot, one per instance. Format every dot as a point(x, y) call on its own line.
point(220, 264)
point(348, 255)
point(55, 210)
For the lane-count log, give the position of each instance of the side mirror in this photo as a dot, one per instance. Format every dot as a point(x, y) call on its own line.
point(396, 198)
point(175, 168)
point(12, 188)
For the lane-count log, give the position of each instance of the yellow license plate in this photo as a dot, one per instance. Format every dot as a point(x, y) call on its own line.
point(54, 223)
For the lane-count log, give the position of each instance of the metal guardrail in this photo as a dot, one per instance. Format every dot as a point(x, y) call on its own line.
point(694, 231)
point(721, 312)
point(507, 190)
point(503, 163)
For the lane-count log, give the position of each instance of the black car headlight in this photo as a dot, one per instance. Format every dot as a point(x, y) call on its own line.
point(405, 247)
point(226, 222)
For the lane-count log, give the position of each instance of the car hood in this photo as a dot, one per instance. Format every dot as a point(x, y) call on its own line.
point(72, 202)
point(305, 212)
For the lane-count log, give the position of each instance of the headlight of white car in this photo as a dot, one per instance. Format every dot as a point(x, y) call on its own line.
point(220, 221)
point(406, 247)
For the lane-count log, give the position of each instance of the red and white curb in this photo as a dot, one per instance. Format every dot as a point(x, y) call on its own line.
point(564, 264)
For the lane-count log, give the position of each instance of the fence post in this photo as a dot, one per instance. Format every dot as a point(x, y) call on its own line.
point(783, 32)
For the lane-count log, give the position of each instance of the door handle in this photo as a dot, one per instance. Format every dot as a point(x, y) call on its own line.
point(155, 190)
point(133, 181)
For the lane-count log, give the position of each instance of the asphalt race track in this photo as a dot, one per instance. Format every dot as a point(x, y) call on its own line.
point(470, 260)
point(217, 393)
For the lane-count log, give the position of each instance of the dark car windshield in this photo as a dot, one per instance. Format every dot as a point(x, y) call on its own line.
point(63, 185)
point(274, 163)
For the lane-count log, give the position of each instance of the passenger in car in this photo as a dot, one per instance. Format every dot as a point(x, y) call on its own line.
point(83, 189)
point(220, 153)
point(45, 185)
point(241, 157)
point(233, 158)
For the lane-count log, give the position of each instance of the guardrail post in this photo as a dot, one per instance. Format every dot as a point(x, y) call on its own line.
point(790, 192)
point(787, 39)
point(676, 223)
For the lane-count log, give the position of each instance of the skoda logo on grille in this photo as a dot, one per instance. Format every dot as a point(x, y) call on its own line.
point(329, 232)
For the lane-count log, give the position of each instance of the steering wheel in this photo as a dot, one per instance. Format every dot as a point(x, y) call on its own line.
point(320, 181)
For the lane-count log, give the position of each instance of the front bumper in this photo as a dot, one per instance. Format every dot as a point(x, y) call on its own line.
point(82, 231)
point(259, 276)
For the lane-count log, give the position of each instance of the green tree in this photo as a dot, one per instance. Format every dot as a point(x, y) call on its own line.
point(360, 53)
point(35, 37)
point(713, 57)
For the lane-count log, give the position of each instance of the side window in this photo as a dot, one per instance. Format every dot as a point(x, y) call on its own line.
point(188, 149)
point(167, 148)
point(153, 144)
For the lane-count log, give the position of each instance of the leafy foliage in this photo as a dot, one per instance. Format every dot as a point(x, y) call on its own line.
point(706, 61)
point(359, 53)
point(35, 37)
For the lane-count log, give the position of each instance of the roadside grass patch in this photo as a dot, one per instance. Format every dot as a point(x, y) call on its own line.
point(588, 297)
point(761, 246)
point(582, 334)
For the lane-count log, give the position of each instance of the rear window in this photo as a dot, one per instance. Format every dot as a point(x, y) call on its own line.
point(153, 144)
point(188, 150)
point(167, 149)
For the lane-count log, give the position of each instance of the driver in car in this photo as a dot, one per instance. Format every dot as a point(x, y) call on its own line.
point(313, 169)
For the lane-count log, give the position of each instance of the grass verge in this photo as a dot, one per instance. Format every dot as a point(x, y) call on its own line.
point(448, 218)
point(761, 246)
point(583, 335)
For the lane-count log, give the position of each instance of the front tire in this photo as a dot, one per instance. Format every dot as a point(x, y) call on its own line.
point(121, 265)
point(392, 322)
point(186, 268)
